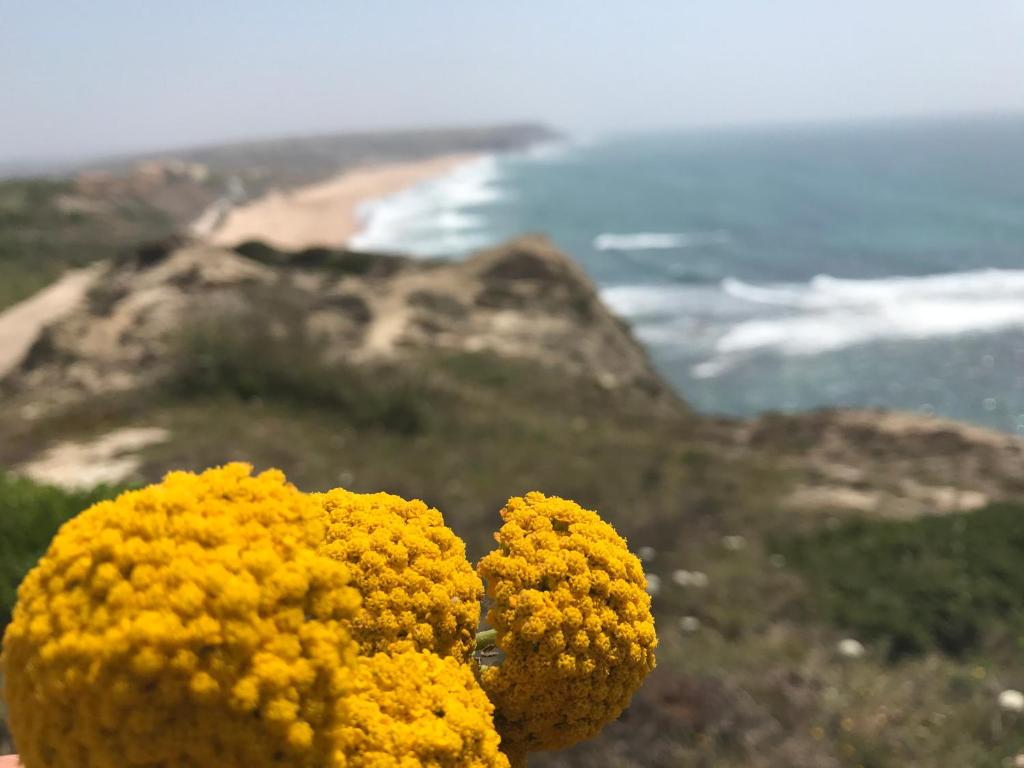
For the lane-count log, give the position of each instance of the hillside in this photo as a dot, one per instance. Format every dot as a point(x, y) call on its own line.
point(523, 301)
point(292, 161)
point(464, 383)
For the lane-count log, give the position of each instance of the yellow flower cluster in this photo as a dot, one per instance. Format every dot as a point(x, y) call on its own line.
point(225, 619)
point(418, 589)
point(413, 708)
point(189, 623)
point(573, 617)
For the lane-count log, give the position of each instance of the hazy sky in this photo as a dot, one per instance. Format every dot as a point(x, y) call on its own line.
point(79, 78)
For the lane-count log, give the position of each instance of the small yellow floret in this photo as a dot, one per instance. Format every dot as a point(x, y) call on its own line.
point(418, 589)
point(414, 708)
point(189, 623)
point(573, 617)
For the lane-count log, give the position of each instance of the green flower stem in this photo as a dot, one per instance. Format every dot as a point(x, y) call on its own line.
point(486, 639)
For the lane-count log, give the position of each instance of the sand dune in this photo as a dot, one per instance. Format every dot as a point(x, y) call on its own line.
point(20, 325)
point(325, 213)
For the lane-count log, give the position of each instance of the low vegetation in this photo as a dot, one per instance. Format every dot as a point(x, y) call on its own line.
point(47, 227)
point(31, 514)
point(753, 677)
point(952, 584)
point(335, 261)
point(248, 358)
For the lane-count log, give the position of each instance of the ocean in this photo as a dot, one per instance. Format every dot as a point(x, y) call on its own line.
point(777, 269)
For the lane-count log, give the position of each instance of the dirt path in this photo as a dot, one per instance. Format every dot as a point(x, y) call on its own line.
point(21, 324)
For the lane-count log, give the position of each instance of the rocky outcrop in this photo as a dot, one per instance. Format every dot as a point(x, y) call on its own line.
point(888, 463)
point(524, 299)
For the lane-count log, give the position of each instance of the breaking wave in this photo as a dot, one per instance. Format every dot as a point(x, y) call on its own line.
point(434, 218)
point(650, 241)
point(735, 320)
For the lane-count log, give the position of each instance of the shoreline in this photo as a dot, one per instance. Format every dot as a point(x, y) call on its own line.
point(326, 213)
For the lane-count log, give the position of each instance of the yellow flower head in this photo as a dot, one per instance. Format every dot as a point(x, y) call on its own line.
point(413, 708)
point(418, 589)
point(188, 623)
point(573, 617)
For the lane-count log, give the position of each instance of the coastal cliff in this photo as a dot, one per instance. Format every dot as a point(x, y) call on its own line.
point(179, 321)
point(523, 300)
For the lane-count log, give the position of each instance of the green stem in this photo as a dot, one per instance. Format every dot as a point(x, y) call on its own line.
point(486, 639)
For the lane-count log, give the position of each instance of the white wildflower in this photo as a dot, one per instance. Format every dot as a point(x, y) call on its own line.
point(646, 554)
point(849, 648)
point(681, 577)
point(734, 543)
point(653, 583)
point(690, 578)
point(1011, 700)
point(689, 623)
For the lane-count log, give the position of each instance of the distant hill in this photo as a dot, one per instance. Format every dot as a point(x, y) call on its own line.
point(61, 220)
point(297, 160)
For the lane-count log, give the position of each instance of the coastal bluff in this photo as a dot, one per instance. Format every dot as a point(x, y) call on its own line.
point(524, 300)
point(183, 315)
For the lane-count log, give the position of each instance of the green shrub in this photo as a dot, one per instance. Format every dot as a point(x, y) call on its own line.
point(339, 261)
point(259, 251)
point(946, 583)
point(6, 743)
point(40, 239)
point(29, 516)
point(269, 356)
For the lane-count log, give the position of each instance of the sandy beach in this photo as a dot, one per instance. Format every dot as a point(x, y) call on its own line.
point(325, 213)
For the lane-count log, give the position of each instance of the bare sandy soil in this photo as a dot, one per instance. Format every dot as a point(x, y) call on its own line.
point(20, 325)
point(110, 458)
point(325, 214)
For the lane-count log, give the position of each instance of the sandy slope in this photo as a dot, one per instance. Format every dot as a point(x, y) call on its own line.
point(20, 325)
point(110, 458)
point(325, 213)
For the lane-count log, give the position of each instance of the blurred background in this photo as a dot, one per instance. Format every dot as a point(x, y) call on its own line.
point(748, 279)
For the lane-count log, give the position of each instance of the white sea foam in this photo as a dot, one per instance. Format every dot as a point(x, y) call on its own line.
point(647, 303)
point(652, 241)
point(549, 151)
point(432, 218)
point(736, 320)
point(824, 292)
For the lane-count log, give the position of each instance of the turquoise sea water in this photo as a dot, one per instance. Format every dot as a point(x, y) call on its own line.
point(860, 265)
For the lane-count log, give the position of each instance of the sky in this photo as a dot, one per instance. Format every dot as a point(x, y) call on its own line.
point(78, 79)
